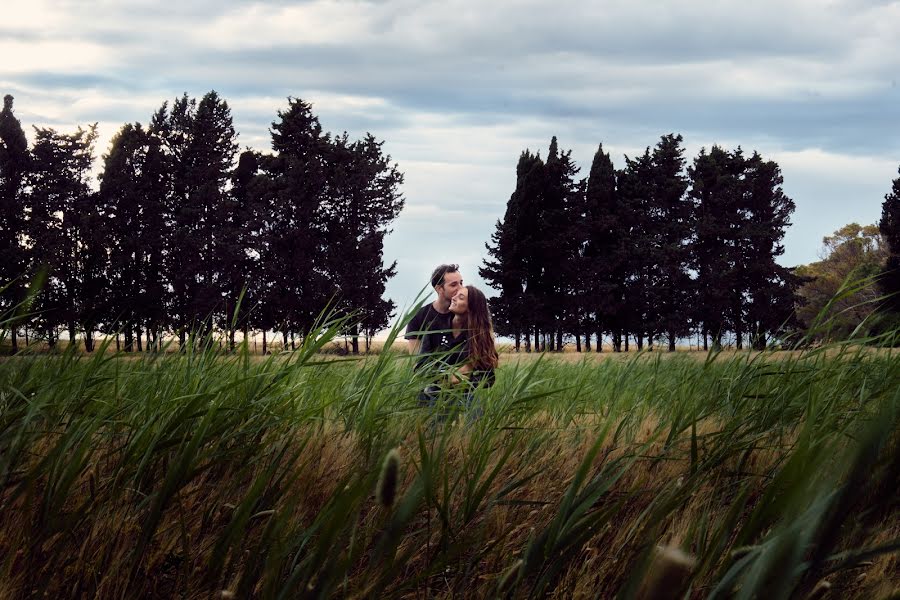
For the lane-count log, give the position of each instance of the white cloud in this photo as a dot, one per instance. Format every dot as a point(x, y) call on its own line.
point(24, 56)
point(264, 26)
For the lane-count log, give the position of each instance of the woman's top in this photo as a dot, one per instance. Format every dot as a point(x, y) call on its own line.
point(451, 351)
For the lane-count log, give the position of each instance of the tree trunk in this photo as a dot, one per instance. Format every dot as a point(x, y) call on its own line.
point(518, 339)
point(671, 342)
point(14, 339)
point(639, 339)
point(139, 334)
point(118, 346)
point(129, 341)
point(587, 342)
point(705, 346)
point(527, 335)
point(559, 343)
point(577, 342)
point(264, 342)
point(626, 341)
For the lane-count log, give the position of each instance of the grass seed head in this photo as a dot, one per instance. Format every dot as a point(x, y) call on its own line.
point(509, 577)
point(819, 591)
point(668, 574)
point(386, 490)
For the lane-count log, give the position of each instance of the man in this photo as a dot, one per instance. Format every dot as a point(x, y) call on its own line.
point(435, 319)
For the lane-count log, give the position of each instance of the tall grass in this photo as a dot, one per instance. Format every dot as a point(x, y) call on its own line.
point(201, 473)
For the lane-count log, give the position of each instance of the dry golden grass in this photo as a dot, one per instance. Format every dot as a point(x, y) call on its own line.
point(98, 548)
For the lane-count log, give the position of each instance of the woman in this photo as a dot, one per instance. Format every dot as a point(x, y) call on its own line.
point(473, 337)
point(466, 354)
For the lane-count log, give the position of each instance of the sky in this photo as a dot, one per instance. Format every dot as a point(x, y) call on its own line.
point(458, 89)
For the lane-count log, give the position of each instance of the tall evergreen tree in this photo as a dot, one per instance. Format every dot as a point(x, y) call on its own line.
point(133, 190)
point(362, 199)
point(507, 269)
point(553, 248)
point(62, 215)
point(199, 140)
point(635, 189)
point(294, 234)
point(715, 188)
point(673, 220)
point(771, 288)
point(238, 245)
point(605, 254)
point(889, 225)
point(13, 169)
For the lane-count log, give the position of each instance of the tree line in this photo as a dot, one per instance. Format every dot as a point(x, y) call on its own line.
point(656, 251)
point(185, 233)
point(661, 250)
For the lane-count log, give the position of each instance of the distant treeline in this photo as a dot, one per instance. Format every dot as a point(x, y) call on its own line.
point(182, 237)
point(654, 251)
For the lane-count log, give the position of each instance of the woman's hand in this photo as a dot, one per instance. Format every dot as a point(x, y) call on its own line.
point(459, 375)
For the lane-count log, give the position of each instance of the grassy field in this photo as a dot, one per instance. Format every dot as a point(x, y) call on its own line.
point(198, 475)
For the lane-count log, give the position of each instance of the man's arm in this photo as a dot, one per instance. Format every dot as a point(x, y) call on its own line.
point(413, 337)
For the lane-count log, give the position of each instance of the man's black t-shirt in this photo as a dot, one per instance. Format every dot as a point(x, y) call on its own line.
point(431, 327)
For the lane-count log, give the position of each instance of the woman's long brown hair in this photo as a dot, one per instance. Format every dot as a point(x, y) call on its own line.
point(482, 350)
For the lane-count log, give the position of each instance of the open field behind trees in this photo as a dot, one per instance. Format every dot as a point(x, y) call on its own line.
point(189, 474)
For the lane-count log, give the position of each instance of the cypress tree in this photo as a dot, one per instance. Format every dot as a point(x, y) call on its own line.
point(673, 220)
point(62, 213)
point(771, 287)
point(361, 200)
point(553, 248)
point(605, 251)
point(635, 188)
point(889, 225)
point(715, 179)
point(506, 269)
point(14, 160)
point(294, 235)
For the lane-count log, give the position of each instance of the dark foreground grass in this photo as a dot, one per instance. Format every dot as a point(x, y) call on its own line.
point(203, 475)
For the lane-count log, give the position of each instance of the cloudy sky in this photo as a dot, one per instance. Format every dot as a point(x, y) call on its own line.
point(458, 89)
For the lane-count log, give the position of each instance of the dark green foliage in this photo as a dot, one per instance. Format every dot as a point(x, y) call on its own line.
point(360, 201)
point(13, 169)
point(716, 191)
point(890, 230)
point(605, 256)
point(651, 251)
point(62, 230)
point(636, 193)
point(179, 238)
point(770, 296)
point(134, 189)
point(672, 222)
point(510, 268)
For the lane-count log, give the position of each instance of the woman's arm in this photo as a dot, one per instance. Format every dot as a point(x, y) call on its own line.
point(462, 372)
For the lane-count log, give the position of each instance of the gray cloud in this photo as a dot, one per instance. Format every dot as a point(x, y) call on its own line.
point(457, 90)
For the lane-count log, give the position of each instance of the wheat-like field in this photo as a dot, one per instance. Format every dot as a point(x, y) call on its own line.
point(204, 474)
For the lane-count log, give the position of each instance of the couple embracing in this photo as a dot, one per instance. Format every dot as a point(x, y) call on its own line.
point(453, 336)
